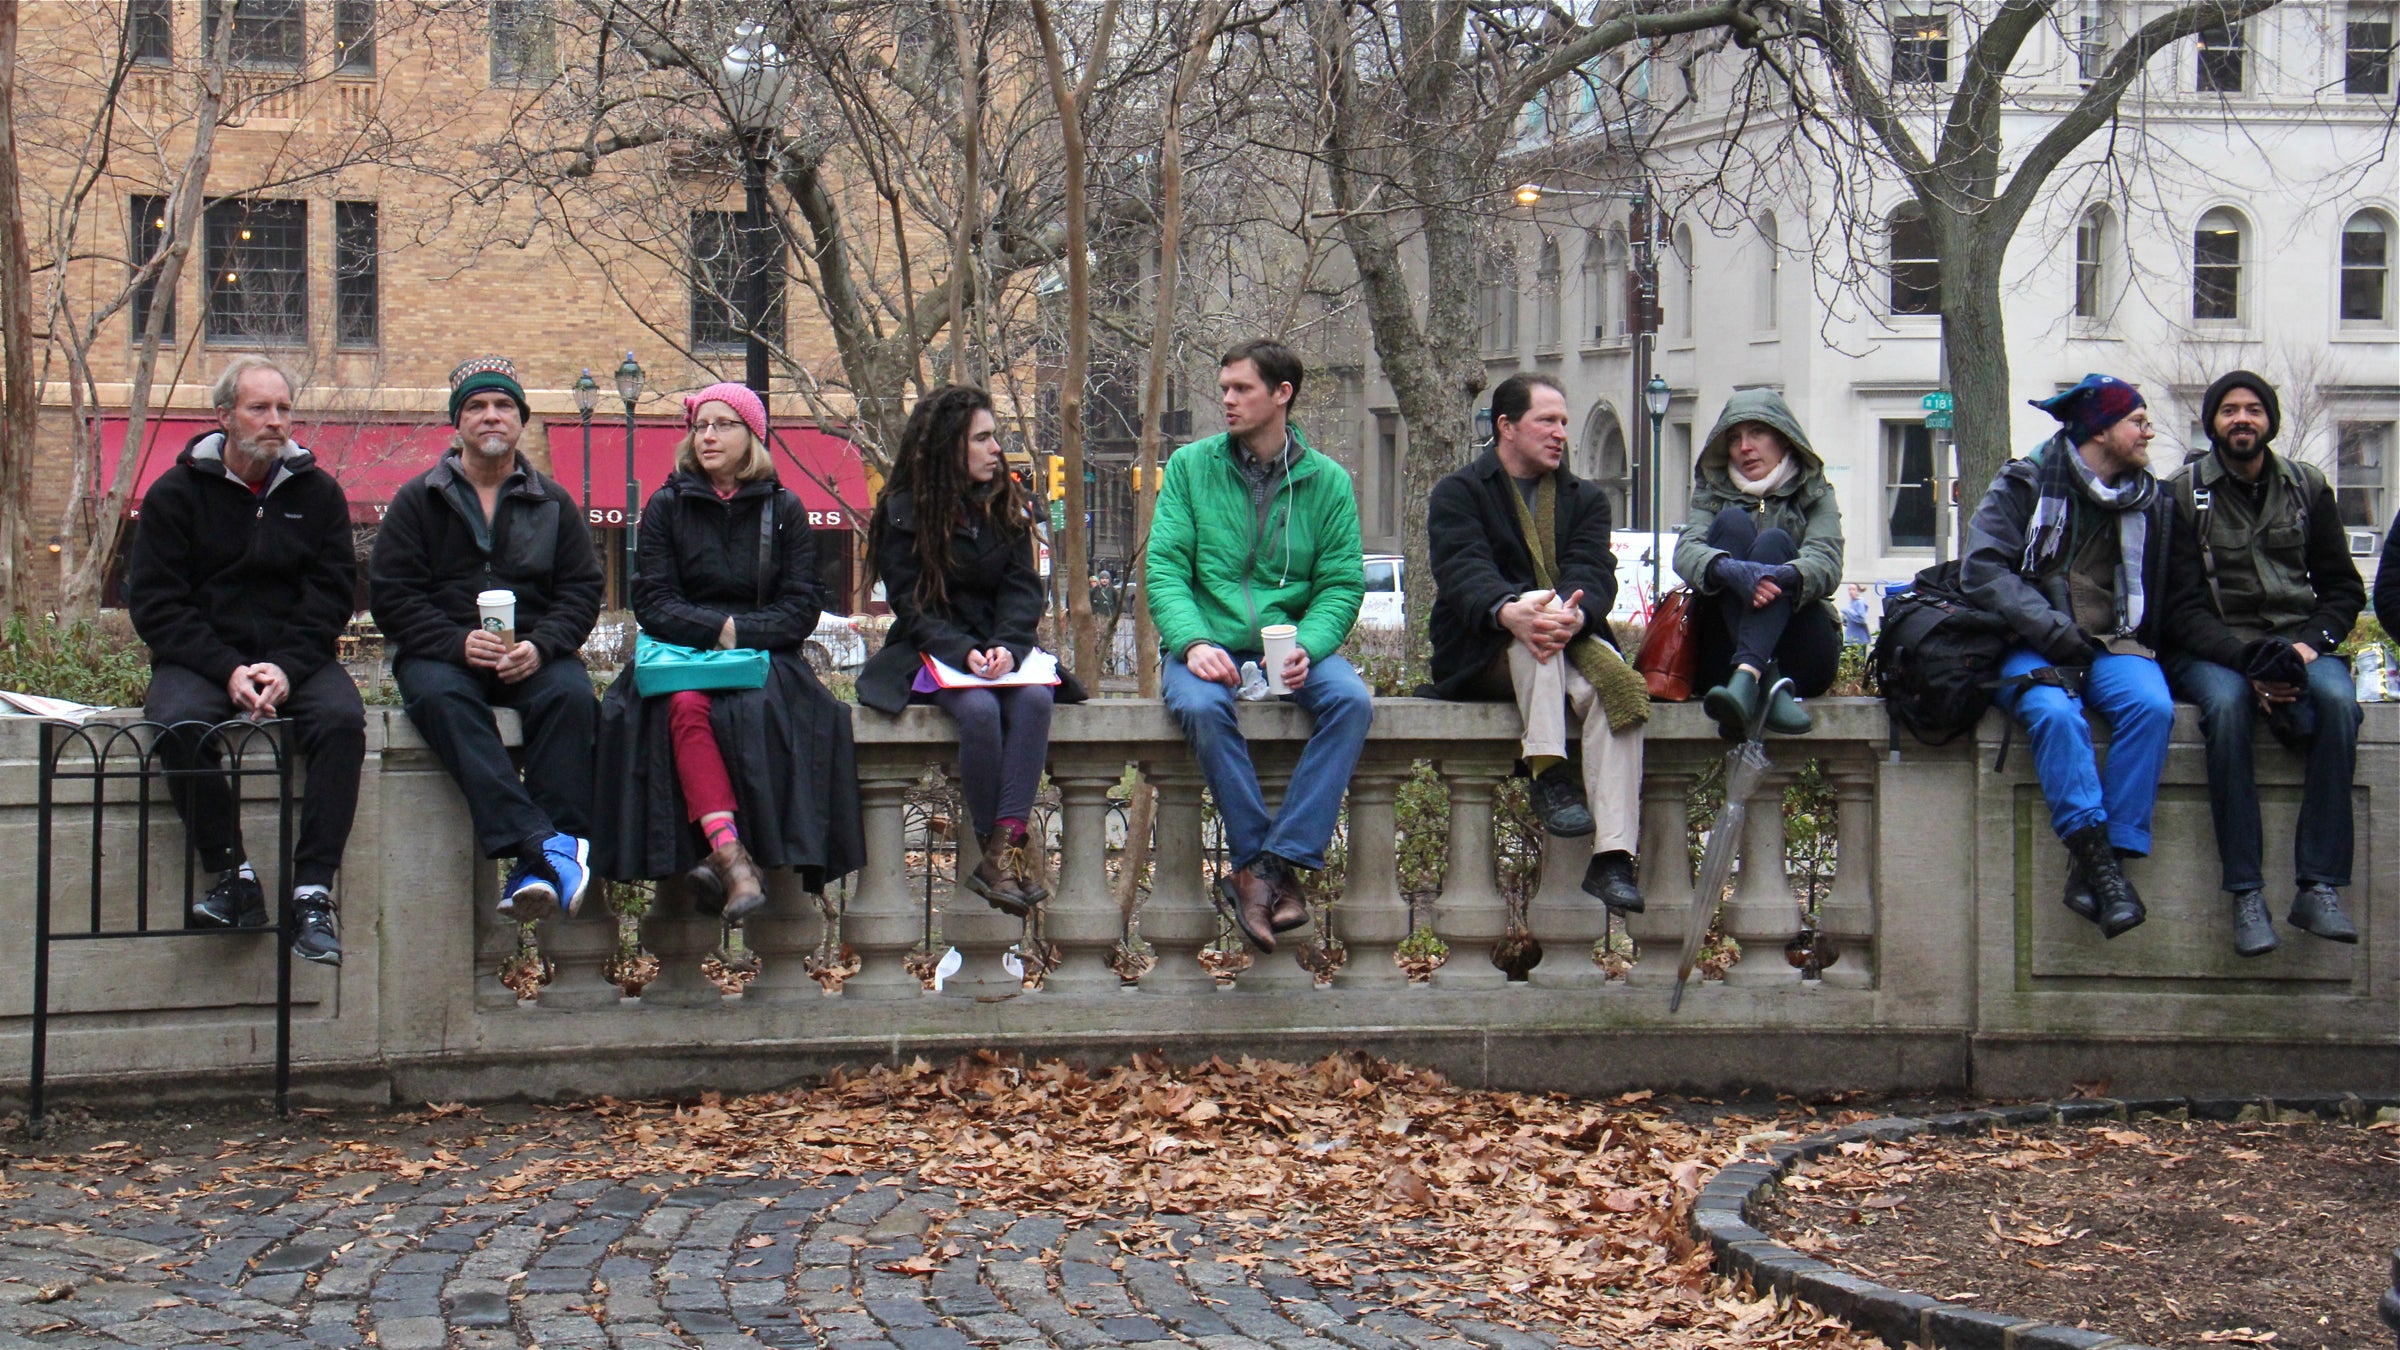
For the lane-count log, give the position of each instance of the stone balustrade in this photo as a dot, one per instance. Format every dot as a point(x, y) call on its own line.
point(1952, 965)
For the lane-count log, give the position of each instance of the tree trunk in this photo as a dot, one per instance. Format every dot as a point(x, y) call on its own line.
point(970, 190)
point(1974, 341)
point(23, 411)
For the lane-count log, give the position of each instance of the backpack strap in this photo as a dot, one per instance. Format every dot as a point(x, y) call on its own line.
point(2203, 505)
point(766, 546)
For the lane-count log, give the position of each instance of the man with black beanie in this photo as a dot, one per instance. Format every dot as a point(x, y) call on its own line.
point(2263, 591)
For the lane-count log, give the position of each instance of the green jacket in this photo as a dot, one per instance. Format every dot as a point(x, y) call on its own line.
point(1214, 575)
point(1805, 508)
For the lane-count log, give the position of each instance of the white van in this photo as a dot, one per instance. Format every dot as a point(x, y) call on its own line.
point(1386, 604)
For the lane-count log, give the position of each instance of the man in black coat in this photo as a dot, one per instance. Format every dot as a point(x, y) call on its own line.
point(240, 581)
point(2261, 591)
point(1502, 629)
point(483, 519)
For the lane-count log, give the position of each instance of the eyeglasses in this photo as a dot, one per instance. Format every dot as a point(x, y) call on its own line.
point(718, 426)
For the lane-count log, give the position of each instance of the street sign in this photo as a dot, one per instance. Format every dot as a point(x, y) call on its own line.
point(1936, 402)
point(1938, 420)
point(1058, 516)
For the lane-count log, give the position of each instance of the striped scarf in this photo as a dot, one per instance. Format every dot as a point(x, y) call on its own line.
point(2064, 476)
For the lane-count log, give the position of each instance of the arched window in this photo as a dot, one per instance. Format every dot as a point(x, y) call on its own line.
point(1681, 267)
point(2367, 269)
point(1602, 461)
point(1916, 263)
point(1546, 322)
point(2217, 267)
point(1770, 270)
point(1593, 275)
point(2093, 239)
point(1499, 304)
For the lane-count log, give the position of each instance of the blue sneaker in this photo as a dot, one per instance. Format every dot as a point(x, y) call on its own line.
point(527, 896)
point(568, 860)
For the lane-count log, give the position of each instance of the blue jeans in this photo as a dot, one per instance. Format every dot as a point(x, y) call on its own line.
point(1340, 705)
point(2131, 692)
point(2321, 846)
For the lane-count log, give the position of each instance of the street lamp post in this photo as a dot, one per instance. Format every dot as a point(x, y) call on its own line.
point(587, 397)
point(629, 388)
point(1656, 395)
point(757, 88)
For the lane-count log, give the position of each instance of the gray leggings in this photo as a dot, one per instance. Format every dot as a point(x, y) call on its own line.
point(1003, 741)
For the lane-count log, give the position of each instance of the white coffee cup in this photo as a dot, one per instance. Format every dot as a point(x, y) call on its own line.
point(1276, 641)
point(498, 610)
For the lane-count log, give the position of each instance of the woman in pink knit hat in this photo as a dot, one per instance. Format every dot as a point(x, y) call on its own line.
point(721, 784)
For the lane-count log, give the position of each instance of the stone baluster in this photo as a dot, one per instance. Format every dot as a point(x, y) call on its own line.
point(578, 948)
point(782, 935)
point(1846, 916)
point(1178, 919)
point(1279, 971)
point(981, 933)
point(495, 941)
point(1372, 916)
point(1471, 916)
point(681, 938)
point(1761, 914)
point(885, 919)
point(1666, 875)
point(1083, 919)
point(1565, 919)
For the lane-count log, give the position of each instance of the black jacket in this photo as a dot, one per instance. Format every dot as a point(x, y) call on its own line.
point(2036, 606)
point(2387, 578)
point(431, 558)
point(1480, 558)
point(699, 565)
point(994, 595)
point(221, 577)
point(2193, 621)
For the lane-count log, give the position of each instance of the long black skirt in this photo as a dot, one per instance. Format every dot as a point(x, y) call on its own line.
point(787, 748)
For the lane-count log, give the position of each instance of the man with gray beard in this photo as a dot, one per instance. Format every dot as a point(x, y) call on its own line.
point(240, 581)
point(483, 519)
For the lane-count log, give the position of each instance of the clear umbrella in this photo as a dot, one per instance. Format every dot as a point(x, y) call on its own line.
point(1745, 765)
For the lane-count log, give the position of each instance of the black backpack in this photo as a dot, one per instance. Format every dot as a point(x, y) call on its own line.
point(1937, 661)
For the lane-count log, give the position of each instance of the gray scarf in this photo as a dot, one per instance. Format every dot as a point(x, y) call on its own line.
point(2064, 475)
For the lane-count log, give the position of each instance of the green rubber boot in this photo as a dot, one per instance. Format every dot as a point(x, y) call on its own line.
point(1731, 704)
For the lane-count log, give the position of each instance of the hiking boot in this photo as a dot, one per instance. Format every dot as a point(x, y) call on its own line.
point(1732, 703)
point(315, 935)
point(2318, 910)
point(236, 901)
point(1785, 716)
point(2120, 906)
point(1249, 900)
point(2253, 929)
point(1027, 862)
point(1556, 794)
point(1291, 900)
point(2078, 897)
point(1608, 877)
point(998, 888)
point(707, 888)
point(745, 889)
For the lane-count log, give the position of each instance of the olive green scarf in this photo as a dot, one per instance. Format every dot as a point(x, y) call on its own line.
point(1624, 696)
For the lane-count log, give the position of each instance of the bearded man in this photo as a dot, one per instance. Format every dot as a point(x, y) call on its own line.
point(240, 581)
point(483, 519)
point(2263, 592)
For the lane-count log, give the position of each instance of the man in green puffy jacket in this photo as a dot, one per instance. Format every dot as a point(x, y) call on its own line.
point(1253, 530)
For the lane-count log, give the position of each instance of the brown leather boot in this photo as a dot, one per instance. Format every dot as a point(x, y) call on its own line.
point(1249, 900)
point(1027, 862)
point(997, 887)
point(745, 889)
point(1291, 898)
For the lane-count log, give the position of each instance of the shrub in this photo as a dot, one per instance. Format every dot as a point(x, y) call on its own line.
point(97, 662)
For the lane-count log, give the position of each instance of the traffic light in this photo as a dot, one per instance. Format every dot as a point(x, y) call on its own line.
point(1058, 477)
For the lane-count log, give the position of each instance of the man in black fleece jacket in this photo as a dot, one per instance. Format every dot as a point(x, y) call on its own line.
point(240, 581)
point(2261, 591)
point(485, 519)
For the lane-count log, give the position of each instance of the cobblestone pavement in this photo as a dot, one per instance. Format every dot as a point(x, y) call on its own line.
point(292, 1239)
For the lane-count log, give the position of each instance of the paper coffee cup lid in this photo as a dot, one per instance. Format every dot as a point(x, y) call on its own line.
point(496, 598)
point(1279, 630)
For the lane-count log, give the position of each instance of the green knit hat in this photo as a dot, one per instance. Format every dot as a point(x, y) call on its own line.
point(482, 373)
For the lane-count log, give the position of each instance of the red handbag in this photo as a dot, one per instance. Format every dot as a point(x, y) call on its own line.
point(1670, 654)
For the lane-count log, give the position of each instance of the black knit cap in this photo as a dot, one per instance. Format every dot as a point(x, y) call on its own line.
point(2226, 384)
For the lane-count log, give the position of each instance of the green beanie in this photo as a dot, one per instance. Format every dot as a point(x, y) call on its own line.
point(482, 373)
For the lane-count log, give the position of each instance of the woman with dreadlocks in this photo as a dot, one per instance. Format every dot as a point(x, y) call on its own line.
point(952, 540)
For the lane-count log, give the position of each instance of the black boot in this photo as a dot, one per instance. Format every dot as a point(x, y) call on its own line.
point(1608, 878)
point(2120, 907)
point(2078, 897)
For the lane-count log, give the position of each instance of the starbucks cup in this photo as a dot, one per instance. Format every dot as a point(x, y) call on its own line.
point(498, 611)
point(1276, 641)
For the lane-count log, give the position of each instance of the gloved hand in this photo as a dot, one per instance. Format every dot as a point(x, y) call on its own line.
point(2072, 648)
point(1737, 577)
point(1786, 578)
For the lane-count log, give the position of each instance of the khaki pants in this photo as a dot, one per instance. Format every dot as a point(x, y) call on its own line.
point(1547, 693)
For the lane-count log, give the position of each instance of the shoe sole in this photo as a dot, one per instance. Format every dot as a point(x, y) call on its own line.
point(583, 876)
point(1635, 908)
point(2346, 939)
point(331, 958)
point(533, 902)
point(1584, 831)
point(2108, 932)
point(1012, 908)
point(1231, 907)
point(2242, 951)
point(738, 910)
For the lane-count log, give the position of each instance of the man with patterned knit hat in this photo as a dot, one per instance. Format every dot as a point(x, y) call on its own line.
point(2070, 548)
point(2264, 590)
point(483, 519)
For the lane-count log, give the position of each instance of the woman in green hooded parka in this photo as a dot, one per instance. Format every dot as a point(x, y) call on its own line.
point(1763, 552)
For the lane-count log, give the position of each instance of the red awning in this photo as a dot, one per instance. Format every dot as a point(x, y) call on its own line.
point(372, 460)
point(821, 468)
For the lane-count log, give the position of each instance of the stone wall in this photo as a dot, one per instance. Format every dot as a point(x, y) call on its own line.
point(1959, 970)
